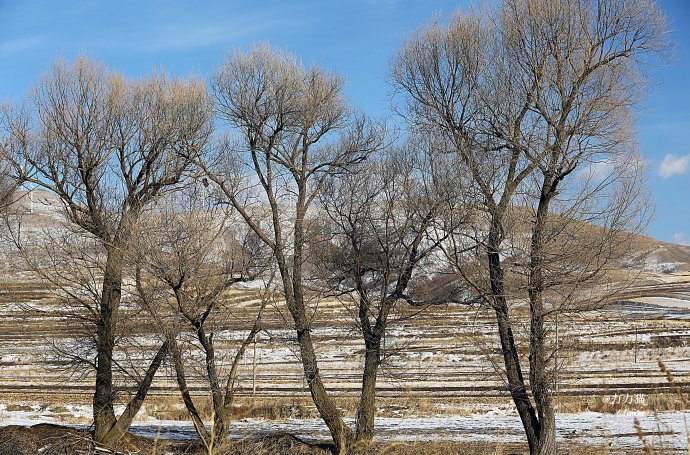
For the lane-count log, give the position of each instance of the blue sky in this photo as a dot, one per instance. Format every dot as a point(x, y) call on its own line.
point(356, 38)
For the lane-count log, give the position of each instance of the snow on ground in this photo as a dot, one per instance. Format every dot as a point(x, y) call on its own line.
point(667, 302)
point(666, 431)
point(675, 277)
point(662, 431)
point(642, 308)
point(253, 285)
point(654, 263)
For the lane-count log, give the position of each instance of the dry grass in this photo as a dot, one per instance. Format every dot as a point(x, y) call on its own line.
point(680, 398)
point(621, 403)
point(56, 440)
point(411, 400)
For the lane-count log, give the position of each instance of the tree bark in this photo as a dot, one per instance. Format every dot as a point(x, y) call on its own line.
point(109, 429)
point(341, 433)
point(511, 359)
point(213, 381)
point(125, 420)
point(103, 411)
point(366, 411)
point(193, 412)
point(229, 397)
point(294, 298)
point(539, 378)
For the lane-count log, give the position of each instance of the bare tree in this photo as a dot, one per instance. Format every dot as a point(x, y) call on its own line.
point(8, 184)
point(525, 96)
point(108, 147)
point(188, 255)
point(382, 228)
point(293, 130)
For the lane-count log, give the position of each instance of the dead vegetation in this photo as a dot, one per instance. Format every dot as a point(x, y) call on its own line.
point(508, 111)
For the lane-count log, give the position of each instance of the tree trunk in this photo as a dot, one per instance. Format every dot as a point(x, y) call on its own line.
point(229, 397)
point(294, 297)
point(546, 444)
point(108, 429)
point(214, 383)
point(341, 433)
point(122, 424)
point(366, 410)
point(194, 415)
point(539, 378)
point(511, 359)
point(328, 410)
point(103, 412)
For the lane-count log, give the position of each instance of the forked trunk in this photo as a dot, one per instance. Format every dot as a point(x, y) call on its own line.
point(103, 411)
point(193, 412)
point(125, 420)
point(539, 377)
point(366, 410)
point(511, 359)
point(219, 420)
point(229, 396)
point(108, 429)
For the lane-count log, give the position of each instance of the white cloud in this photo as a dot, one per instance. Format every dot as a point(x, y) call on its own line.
point(674, 165)
point(599, 170)
point(681, 238)
point(20, 45)
point(602, 168)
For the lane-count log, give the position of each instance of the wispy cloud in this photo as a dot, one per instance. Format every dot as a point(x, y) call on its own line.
point(20, 45)
point(597, 170)
point(172, 37)
point(185, 36)
point(681, 238)
point(674, 165)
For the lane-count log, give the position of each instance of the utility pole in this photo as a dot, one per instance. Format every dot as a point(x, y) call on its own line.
point(555, 376)
point(254, 367)
point(635, 350)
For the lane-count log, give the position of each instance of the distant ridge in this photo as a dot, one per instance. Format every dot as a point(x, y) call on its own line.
point(40, 208)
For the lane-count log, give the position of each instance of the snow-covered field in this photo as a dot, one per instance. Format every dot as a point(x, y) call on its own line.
point(438, 383)
point(666, 430)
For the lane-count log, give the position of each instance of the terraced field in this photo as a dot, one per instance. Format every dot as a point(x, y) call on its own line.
point(441, 368)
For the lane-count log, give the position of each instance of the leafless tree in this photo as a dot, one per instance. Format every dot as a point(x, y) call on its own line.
point(527, 95)
point(293, 130)
point(188, 255)
point(108, 147)
point(8, 185)
point(382, 228)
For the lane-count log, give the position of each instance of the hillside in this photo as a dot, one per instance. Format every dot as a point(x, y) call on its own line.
point(39, 209)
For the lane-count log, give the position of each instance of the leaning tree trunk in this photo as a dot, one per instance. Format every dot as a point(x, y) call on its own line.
point(539, 380)
point(342, 435)
point(193, 412)
point(219, 416)
point(294, 296)
point(229, 397)
point(329, 412)
point(125, 420)
point(511, 359)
